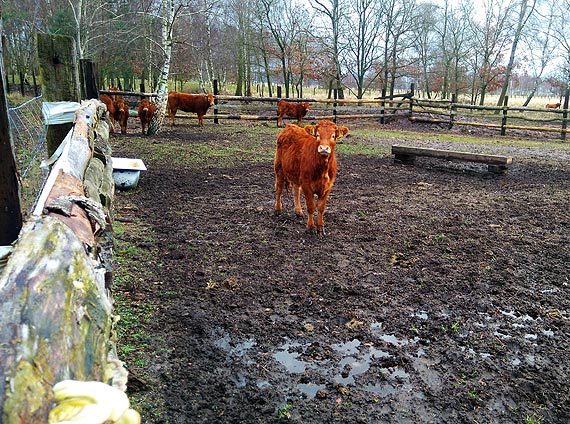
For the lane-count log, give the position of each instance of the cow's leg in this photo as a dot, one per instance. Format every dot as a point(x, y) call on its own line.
point(279, 186)
point(280, 120)
point(321, 205)
point(172, 115)
point(311, 207)
point(297, 199)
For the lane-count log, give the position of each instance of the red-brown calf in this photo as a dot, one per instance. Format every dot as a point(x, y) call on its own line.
point(110, 109)
point(305, 159)
point(196, 103)
point(553, 105)
point(122, 114)
point(292, 109)
point(146, 112)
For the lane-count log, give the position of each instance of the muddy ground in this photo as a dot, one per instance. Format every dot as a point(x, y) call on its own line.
point(438, 295)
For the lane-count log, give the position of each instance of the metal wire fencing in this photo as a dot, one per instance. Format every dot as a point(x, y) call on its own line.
point(29, 138)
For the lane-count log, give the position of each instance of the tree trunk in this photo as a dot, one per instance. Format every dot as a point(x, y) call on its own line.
point(10, 208)
point(523, 17)
point(162, 91)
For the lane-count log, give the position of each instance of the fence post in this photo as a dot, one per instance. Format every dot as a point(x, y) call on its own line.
point(565, 114)
point(335, 95)
point(383, 108)
point(89, 78)
point(452, 110)
point(278, 91)
point(504, 120)
point(216, 92)
point(10, 209)
point(59, 79)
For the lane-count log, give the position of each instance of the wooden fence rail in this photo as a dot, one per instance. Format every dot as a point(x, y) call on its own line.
point(56, 310)
point(445, 112)
point(386, 108)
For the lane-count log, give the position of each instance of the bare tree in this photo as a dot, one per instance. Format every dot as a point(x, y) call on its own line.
point(562, 20)
point(334, 11)
point(286, 22)
point(362, 49)
point(526, 9)
point(540, 49)
point(243, 44)
point(426, 45)
point(489, 40)
point(399, 21)
point(91, 19)
point(168, 15)
point(22, 20)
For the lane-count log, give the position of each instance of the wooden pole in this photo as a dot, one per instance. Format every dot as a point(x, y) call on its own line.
point(89, 85)
point(452, 110)
point(216, 92)
point(22, 88)
point(383, 108)
point(335, 94)
point(59, 79)
point(504, 119)
point(10, 209)
point(565, 114)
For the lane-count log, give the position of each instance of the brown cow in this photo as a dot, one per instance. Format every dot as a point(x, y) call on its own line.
point(305, 159)
point(115, 97)
point(110, 109)
point(146, 112)
point(553, 105)
point(122, 114)
point(292, 109)
point(196, 103)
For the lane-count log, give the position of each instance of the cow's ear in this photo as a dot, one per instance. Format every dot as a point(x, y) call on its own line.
point(341, 132)
point(311, 129)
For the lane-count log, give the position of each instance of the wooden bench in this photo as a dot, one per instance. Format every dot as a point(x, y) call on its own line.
point(407, 155)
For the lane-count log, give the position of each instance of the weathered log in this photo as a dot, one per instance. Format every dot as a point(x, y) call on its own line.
point(55, 319)
point(60, 79)
point(56, 313)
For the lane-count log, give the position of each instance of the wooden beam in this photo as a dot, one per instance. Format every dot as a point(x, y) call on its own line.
point(59, 78)
point(452, 155)
point(10, 208)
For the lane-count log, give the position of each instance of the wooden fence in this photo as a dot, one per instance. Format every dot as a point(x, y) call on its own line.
point(446, 113)
point(386, 108)
point(56, 314)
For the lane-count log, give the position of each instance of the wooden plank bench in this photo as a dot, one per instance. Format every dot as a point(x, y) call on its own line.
point(407, 155)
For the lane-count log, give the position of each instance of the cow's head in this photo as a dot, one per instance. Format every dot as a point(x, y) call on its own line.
point(211, 99)
point(326, 133)
point(306, 106)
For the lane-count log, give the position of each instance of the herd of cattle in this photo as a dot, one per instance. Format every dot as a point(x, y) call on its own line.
point(118, 108)
point(305, 158)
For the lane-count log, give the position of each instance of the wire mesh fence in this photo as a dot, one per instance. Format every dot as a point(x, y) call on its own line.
point(29, 138)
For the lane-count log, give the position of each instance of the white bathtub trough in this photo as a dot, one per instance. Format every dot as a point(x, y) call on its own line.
point(126, 172)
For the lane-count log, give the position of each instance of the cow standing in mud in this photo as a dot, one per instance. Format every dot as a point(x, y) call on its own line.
point(122, 114)
point(553, 106)
point(292, 109)
point(146, 112)
point(197, 103)
point(305, 160)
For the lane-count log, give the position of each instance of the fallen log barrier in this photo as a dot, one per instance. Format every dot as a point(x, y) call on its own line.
point(406, 155)
point(56, 309)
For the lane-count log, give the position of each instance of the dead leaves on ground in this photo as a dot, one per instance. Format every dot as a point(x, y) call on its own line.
point(230, 283)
